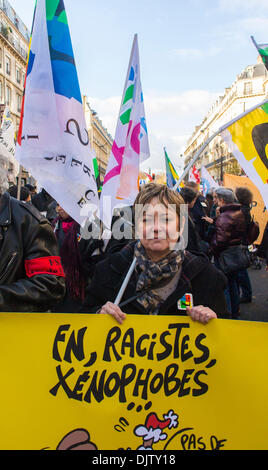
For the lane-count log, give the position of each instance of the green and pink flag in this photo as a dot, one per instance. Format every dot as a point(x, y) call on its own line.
point(130, 147)
point(53, 143)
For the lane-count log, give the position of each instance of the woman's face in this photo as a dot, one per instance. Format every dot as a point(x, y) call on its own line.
point(158, 228)
point(215, 199)
point(221, 202)
point(63, 215)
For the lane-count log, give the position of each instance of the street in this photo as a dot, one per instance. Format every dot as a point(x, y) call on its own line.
point(257, 310)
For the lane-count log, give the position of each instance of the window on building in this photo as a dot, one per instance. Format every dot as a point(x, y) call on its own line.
point(8, 66)
point(23, 52)
point(18, 75)
point(1, 91)
point(1, 57)
point(18, 102)
point(8, 96)
point(247, 88)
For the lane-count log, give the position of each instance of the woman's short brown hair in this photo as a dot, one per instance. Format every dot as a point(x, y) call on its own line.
point(165, 195)
point(244, 196)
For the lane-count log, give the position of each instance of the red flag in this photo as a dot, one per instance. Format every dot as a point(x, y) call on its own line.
point(194, 175)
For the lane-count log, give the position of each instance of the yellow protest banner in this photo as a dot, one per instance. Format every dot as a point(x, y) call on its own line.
point(247, 140)
point(258, 211)
point(157, 382)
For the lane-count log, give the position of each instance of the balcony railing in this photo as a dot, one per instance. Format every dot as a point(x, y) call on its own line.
point(13, 17)
point(4, 30)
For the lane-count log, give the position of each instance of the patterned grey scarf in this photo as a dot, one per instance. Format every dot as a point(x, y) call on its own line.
point(152, 275)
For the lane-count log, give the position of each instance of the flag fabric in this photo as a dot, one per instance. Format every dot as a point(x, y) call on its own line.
point(207, 181)
point(7, 145)
point(148, 176)
point(262, 50)
point(194, 175)
point(144, 178)
point(53, 143)
point(172, 175)
point(130, 146)
point(247, 139)
point(96, 171)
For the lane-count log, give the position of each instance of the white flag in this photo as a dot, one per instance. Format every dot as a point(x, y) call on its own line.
point(130, 147)
point(7, 145)
point(207, 181)
point(53, 142)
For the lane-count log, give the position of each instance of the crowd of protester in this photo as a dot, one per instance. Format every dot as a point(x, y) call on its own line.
point(49, 266)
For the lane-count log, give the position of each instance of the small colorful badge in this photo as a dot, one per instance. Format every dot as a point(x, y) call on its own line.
point(186, 301)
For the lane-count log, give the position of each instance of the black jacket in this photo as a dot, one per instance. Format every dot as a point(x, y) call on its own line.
point(246, 212)
point(42, 201)
point(89, 248)
point(28, 248)
point(197, 212)
point(262, 251)
point(193, 237)
point(198, 277)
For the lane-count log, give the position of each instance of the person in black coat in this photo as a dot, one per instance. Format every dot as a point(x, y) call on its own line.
point(198, 277)
point(95, 249)
point(245, 198)
point(195, 243)
point(42, 200)
point(167, 279)
point(199, 210)
point(32, 278)
point(189, 196)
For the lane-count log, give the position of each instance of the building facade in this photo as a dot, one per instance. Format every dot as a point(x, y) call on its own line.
point(249, 89)
point(101, 140)
point(14, 44)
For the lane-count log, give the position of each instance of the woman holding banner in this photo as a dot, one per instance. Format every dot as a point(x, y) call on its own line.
point(166, 279)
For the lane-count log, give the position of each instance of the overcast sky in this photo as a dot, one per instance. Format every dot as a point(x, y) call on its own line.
point(190, 51)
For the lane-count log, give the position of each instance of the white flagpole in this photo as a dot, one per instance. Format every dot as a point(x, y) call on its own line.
point(19, 183)
point(207, 142)
point(125, 283)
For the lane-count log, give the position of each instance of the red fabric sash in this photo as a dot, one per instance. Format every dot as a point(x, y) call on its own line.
point(47, 265)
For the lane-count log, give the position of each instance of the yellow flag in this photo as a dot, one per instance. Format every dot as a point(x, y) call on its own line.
point(247, 139)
